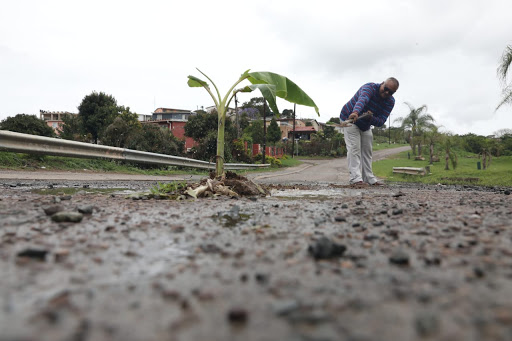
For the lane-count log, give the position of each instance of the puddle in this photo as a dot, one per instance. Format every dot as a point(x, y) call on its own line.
point(73, 190)
point(305, 194)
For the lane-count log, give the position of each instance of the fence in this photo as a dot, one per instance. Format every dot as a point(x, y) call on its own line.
point(32, 144)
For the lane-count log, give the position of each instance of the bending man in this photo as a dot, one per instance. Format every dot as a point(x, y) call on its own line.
point(377, 99)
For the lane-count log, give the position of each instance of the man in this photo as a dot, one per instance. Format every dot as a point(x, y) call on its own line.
point(378, 100)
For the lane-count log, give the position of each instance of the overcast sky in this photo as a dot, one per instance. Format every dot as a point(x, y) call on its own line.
point(444, 53)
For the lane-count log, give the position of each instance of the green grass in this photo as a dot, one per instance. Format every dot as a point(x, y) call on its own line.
point(57, 163)
point(380, 146)
point(35, 162)
point(498, 174)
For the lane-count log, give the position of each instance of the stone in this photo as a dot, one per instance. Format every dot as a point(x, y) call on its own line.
point(67, 216)
point(38, 254)
point(86, 209)
point(324, 248)
point(51, 210)
point(399, 257)
point(238, 315)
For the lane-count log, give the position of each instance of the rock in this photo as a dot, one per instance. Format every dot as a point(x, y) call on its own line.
point(507, 192)
point(65, 197)
point(324, 248)
point(61, 254)
point(426, 324)
point(86, 209)
point(261, 278)
point(344, 206)
point(399, 257)
point(51, 210)
point(67, 216)
point(285, 307)
point(398, 211)
point(38, 254)
point(237, 315)
point(340, 218)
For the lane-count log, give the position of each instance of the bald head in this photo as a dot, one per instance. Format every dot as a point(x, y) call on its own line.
point(388, 87)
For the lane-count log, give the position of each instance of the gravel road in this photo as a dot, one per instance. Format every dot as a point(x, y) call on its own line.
point(310, 262)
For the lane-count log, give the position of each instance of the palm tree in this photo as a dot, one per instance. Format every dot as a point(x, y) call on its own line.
point(448, 144)
point(432, 137)
point(503, 68)
point(418, 120)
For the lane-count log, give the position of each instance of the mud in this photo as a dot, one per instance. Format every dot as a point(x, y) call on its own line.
point(411, 262)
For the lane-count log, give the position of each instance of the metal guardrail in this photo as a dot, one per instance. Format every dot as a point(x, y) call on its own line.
point(32, 144)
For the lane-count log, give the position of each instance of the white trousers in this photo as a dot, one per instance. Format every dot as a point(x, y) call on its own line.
point(359, 154)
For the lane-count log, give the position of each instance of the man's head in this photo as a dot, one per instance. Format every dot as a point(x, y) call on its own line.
point(388, 87)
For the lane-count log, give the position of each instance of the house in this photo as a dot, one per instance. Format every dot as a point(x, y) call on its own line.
point(302, 133)
point(171, 114)
point(54, 119)
point(173, 120)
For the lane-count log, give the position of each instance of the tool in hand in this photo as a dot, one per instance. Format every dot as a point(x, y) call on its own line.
point(347, 123)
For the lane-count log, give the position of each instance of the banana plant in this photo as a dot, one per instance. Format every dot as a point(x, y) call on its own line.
point(271, 85)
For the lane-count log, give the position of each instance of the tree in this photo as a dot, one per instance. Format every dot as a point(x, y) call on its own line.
point(432, 137)
point(287, 113)
point(73, 129)
point(329, 132)
point(270, 84)
point(447, 144)
point(97, 111)
point(503, 68)
point(27, 124)
point(418, 120)
point(335, 120)
point(118, 133)
point(273, 132)
point(258, 104)
point(203, 128)
point(152, 138)
point(255, 130)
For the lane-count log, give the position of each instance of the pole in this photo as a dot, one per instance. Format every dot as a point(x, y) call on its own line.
point(293, 132)
point(237, 119)
point(264, 129)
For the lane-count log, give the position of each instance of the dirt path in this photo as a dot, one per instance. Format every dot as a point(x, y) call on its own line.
point(312, 171)
point(408, 263)
point(319, 171)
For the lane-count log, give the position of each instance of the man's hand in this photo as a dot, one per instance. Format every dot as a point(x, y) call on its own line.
point(354, 116)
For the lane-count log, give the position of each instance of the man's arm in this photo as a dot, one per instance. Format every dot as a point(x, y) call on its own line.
point(379, 119)
point(365, 93)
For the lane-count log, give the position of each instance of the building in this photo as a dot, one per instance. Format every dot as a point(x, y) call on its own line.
point(173, 120)
point(54, 119)
point(171, 114)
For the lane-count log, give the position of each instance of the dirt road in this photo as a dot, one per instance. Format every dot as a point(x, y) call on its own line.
point(312, 171)
point(316, 263)
point(319, 171)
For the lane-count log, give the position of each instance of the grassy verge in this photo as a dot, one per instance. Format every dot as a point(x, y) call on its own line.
point(56, 163)
point(498, 174)
point(380, 146)
point(14, 161)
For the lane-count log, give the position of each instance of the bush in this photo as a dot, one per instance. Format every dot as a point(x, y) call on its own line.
point(274, 162)
point(27, 124)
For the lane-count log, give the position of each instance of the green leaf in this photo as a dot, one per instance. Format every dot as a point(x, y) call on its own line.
point(269, 92)
point(284, 88)
point(195, 82)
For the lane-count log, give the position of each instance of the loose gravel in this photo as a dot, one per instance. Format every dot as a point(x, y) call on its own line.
point(316, 262)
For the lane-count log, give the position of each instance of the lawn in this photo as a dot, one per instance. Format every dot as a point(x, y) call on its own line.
point(36, 162)
point(498, 174)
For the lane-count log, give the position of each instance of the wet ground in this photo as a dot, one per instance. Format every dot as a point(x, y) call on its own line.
point(310, 262)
